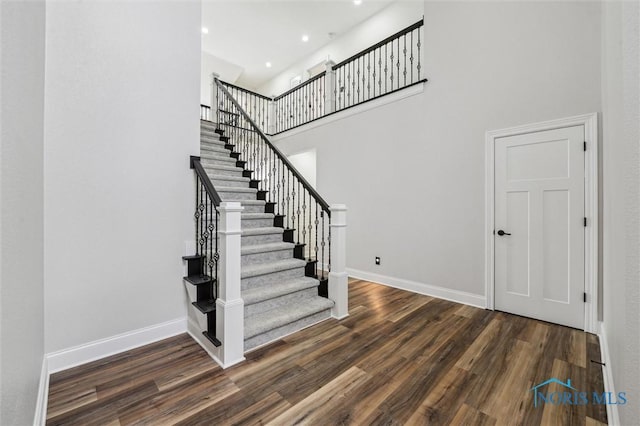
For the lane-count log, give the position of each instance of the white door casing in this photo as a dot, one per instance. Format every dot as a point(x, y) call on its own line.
point(540, 186)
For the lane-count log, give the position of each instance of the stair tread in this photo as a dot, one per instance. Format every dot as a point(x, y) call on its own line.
point(258, 215)
point(224, 158)
point(269, 320)
point(265, 248)
point(271, 267)
point(208, 167)
point(205, 306)
point(260, 294)
point(229, 178)
point(262, 231)
point(235, 189)
point(198, 279)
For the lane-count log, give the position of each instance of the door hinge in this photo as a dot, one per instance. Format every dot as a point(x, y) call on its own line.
point(585, 145)
point(584, 297)
point(585, 222)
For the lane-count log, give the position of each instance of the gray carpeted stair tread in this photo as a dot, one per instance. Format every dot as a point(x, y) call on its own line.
point(263, 322)
point(271, 267)
point(229, 178)
point(262, 231)
point(264, 248)
point(260, 294)
point(251, 216)
point(212, 167)
point(235, 189)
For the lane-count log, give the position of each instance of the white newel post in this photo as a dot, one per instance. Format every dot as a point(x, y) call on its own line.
point(229, 305)
point(338, 279)
point(271, 122)
point(214, 98)
point(330, 88)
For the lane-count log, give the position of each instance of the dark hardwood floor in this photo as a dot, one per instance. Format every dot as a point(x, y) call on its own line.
point(400, 358)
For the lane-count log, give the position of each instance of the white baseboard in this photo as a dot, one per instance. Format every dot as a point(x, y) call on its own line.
point(613, 416)
point(71, 357)
point(40, 417)
point(421, 288)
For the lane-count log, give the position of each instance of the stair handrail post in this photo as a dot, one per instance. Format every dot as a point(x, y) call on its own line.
point(338, 286)
point(229, 304)
point(330, 88)
point(271, 118)
point(214, 98)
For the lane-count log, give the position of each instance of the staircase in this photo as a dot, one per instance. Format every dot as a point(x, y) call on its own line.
point(278, 286)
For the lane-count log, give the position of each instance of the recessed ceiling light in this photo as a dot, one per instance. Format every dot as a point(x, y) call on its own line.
point(205, 30)
point(305, 38)
point(357, 2)
point(268, 64)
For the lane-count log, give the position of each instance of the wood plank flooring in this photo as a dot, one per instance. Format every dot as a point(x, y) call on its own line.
point(399, 358)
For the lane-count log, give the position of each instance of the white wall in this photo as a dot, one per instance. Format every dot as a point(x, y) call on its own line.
point(121, 120)
point(415, 168)
point(621, 198)
point(22, 44)
point(388, 21)
point(305, 162)
point(209, 64)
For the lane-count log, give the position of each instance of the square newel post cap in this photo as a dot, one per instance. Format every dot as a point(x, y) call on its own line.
point(329, 64)
point(338, 208)
point(231, 206)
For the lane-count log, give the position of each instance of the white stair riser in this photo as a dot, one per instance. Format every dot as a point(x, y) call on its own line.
point(266, 279)
point(274, 334)
point(268, 256)
point(257, 223)
point(236, 196)
point(252, 240)
point(280, 301)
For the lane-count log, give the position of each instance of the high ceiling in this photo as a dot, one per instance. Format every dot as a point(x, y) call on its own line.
point(249, 33)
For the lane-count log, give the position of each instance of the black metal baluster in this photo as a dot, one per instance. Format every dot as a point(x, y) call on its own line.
point(196, 214)
point(304, 222)
point(216, 255)
point(404, 37)
point(398, 64)
point(419, 57)
point(316, 240)
point(369, 75)
point(385, 69)
point(391, 61)
point(329, 241)
point(298, 214)
point(289, 215)
point(322, 246)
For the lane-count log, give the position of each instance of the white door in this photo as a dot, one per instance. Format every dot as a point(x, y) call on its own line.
point(539, 225)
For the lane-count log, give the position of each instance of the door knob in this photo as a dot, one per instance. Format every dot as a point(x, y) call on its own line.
point(501, 232)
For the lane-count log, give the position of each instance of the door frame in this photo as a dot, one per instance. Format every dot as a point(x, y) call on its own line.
point(590, 123)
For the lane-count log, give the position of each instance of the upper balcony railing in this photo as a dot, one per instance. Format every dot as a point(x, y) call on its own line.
point(390, 65)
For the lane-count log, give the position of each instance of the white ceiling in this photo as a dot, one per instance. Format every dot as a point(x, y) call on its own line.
point(249, 33)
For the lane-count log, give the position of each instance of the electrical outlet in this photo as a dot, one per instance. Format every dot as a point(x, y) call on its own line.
point(377, 260)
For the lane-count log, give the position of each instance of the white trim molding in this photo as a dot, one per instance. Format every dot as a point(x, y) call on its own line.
point(613, 416)
point(421, 288)
point(40, 417)
point(416, 89)
point(77, 355)
point(590, 123)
